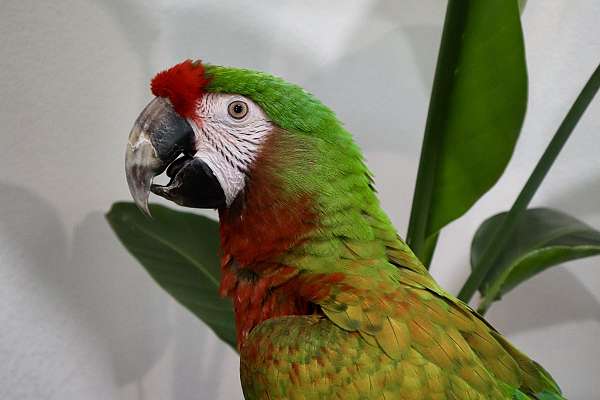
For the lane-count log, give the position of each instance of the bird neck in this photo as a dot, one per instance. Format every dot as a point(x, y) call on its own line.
point(300, 225)
point(301, 191)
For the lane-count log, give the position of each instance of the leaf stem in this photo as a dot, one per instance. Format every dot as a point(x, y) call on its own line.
point(502, 236)
point(448, 57)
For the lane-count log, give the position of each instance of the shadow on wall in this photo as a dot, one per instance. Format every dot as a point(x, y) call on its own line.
point(552, 298)
point(138, 25)
point(98, 287)
point(117, 300)
point(357, 75)
point(200, 359)
point(205, 31)
point(582, 197)
point(33, 247)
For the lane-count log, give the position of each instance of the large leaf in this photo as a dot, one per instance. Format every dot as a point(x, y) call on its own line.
point(475, 114)
point(179, 250)
point(541, 239)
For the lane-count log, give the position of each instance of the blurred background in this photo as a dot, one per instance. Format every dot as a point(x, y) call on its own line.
point(80, 319)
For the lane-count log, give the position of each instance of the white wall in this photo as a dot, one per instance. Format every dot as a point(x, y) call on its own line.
point(79, 319)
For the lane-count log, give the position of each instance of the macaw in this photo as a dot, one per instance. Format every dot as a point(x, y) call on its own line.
point(329, 302)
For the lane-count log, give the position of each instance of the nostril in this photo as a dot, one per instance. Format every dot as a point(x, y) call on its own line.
point(176, 166)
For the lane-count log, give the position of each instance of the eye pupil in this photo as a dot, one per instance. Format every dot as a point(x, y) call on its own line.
point(238, 109)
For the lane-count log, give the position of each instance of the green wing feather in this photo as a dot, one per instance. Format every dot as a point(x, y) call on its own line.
point(395, 333)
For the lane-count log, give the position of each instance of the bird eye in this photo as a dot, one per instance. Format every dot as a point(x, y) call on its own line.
point(237, 109)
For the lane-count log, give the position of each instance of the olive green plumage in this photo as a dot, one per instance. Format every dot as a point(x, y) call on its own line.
point(386, 330)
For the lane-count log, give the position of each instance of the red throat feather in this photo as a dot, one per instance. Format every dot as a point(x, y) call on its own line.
point(270, 221)
point(183, 85)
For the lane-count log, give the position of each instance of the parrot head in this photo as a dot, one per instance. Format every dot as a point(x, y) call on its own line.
point(216, 131)
point(274, 161)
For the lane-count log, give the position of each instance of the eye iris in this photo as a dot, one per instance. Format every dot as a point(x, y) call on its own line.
point(238, 109)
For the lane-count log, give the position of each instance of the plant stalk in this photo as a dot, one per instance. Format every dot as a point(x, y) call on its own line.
point(448, 57)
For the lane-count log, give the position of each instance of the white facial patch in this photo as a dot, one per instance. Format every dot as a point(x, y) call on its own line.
point(226, 144)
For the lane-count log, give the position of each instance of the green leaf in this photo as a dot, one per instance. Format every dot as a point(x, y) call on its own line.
point(179, 250)
point(476, 111)
point(504, 232)
point(541, 238)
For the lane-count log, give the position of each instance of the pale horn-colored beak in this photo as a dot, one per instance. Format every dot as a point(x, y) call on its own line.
point(158, 137)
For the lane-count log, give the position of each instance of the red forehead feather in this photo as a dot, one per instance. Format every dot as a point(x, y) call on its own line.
point(183, 84)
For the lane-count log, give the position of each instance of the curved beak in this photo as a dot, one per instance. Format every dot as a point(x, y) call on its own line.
point(158, 137)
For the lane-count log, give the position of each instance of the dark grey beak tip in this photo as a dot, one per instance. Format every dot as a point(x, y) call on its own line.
point(145, 209)
point(158, 136)
point(139, 175)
